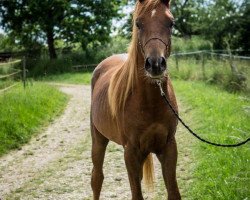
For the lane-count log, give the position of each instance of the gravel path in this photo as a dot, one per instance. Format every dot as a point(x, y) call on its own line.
point(57, 164)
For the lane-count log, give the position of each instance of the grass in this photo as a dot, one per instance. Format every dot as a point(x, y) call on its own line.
point(25, 112)
point(6, 68)
point(223, 118)
point(216, 71)
point(71, 78)
point(5, 84)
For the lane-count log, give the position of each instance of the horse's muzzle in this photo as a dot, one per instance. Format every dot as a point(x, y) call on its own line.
point(155, 66)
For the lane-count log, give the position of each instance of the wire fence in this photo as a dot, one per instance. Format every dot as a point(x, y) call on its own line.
point(204, 55)
point(209, 52)
point(176, 55)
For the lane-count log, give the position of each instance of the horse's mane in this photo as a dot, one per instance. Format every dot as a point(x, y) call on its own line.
point(125, 76)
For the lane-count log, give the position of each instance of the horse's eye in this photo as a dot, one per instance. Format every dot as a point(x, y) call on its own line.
point(138, 24)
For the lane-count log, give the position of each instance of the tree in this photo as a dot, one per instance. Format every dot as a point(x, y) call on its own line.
point(90, 21)
point(185, 14)
point(224, 20)
point(7, 43)
point(34, 23)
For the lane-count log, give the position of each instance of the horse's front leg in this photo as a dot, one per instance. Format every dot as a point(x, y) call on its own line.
point(168, 160)
point(134, 162)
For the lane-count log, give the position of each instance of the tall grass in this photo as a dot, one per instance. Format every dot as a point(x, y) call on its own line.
point(6, 83)
point(221, 174)
point(216, 71)
point(9, 67)
point(24, 112)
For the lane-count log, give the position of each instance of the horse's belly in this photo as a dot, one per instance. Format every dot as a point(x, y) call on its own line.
point(101, 117)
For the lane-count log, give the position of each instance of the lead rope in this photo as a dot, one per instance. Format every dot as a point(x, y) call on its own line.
point(159, 83)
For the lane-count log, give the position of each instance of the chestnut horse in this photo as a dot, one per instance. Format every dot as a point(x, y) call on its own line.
point(127, 107)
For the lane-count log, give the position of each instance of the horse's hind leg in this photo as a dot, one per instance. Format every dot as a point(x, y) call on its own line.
point(168, 160)
point(99, 144)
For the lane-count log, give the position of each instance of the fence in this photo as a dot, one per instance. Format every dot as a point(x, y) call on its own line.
point(202, 55)
point(12, 76)
point(86, 67)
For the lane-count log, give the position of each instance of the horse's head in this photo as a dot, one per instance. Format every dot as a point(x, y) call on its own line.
point(154, 26)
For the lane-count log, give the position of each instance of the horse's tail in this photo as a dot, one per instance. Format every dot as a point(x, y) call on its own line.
point(148, 172)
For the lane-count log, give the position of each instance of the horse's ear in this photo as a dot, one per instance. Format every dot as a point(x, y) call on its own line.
point(166, 2)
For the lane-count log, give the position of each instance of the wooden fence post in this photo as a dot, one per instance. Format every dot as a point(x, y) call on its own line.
point(24, 72)
point(203, 65)
point(176, 61)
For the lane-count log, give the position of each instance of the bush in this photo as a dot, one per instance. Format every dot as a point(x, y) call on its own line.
point(193, 44)
point(44, 66)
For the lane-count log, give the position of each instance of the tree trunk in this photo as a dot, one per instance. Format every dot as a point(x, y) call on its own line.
point(50, 42)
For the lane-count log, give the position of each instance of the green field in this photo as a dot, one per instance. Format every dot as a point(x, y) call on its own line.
point(25, 112)
point(219, 173)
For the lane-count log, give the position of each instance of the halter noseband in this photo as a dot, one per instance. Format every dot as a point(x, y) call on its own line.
point(156, 38)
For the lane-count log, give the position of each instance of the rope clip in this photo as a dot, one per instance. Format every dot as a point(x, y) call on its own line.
point(159, 83)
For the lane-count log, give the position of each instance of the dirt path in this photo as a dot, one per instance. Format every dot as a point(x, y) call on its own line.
point(57, 164)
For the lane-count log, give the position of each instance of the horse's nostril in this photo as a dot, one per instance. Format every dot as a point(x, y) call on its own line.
point(148, 63)
point(163, 63)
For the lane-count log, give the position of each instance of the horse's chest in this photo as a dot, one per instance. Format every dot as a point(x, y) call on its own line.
point(150, 126)
point(153, 137)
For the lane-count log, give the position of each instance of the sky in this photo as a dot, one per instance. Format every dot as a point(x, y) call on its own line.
point(1, 30)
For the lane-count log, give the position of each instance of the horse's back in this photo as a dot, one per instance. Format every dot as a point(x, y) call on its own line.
point(100, 112)
point(107, 66)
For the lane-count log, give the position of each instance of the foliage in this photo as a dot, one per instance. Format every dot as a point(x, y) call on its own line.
point(224, 20)
point(196, 43)
point(7, 44)
point(185, 13)
point(44, 66)
point(91, 24)
point(219, 173)
point(117, 45)
point(35, 22)
point(24, 112)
